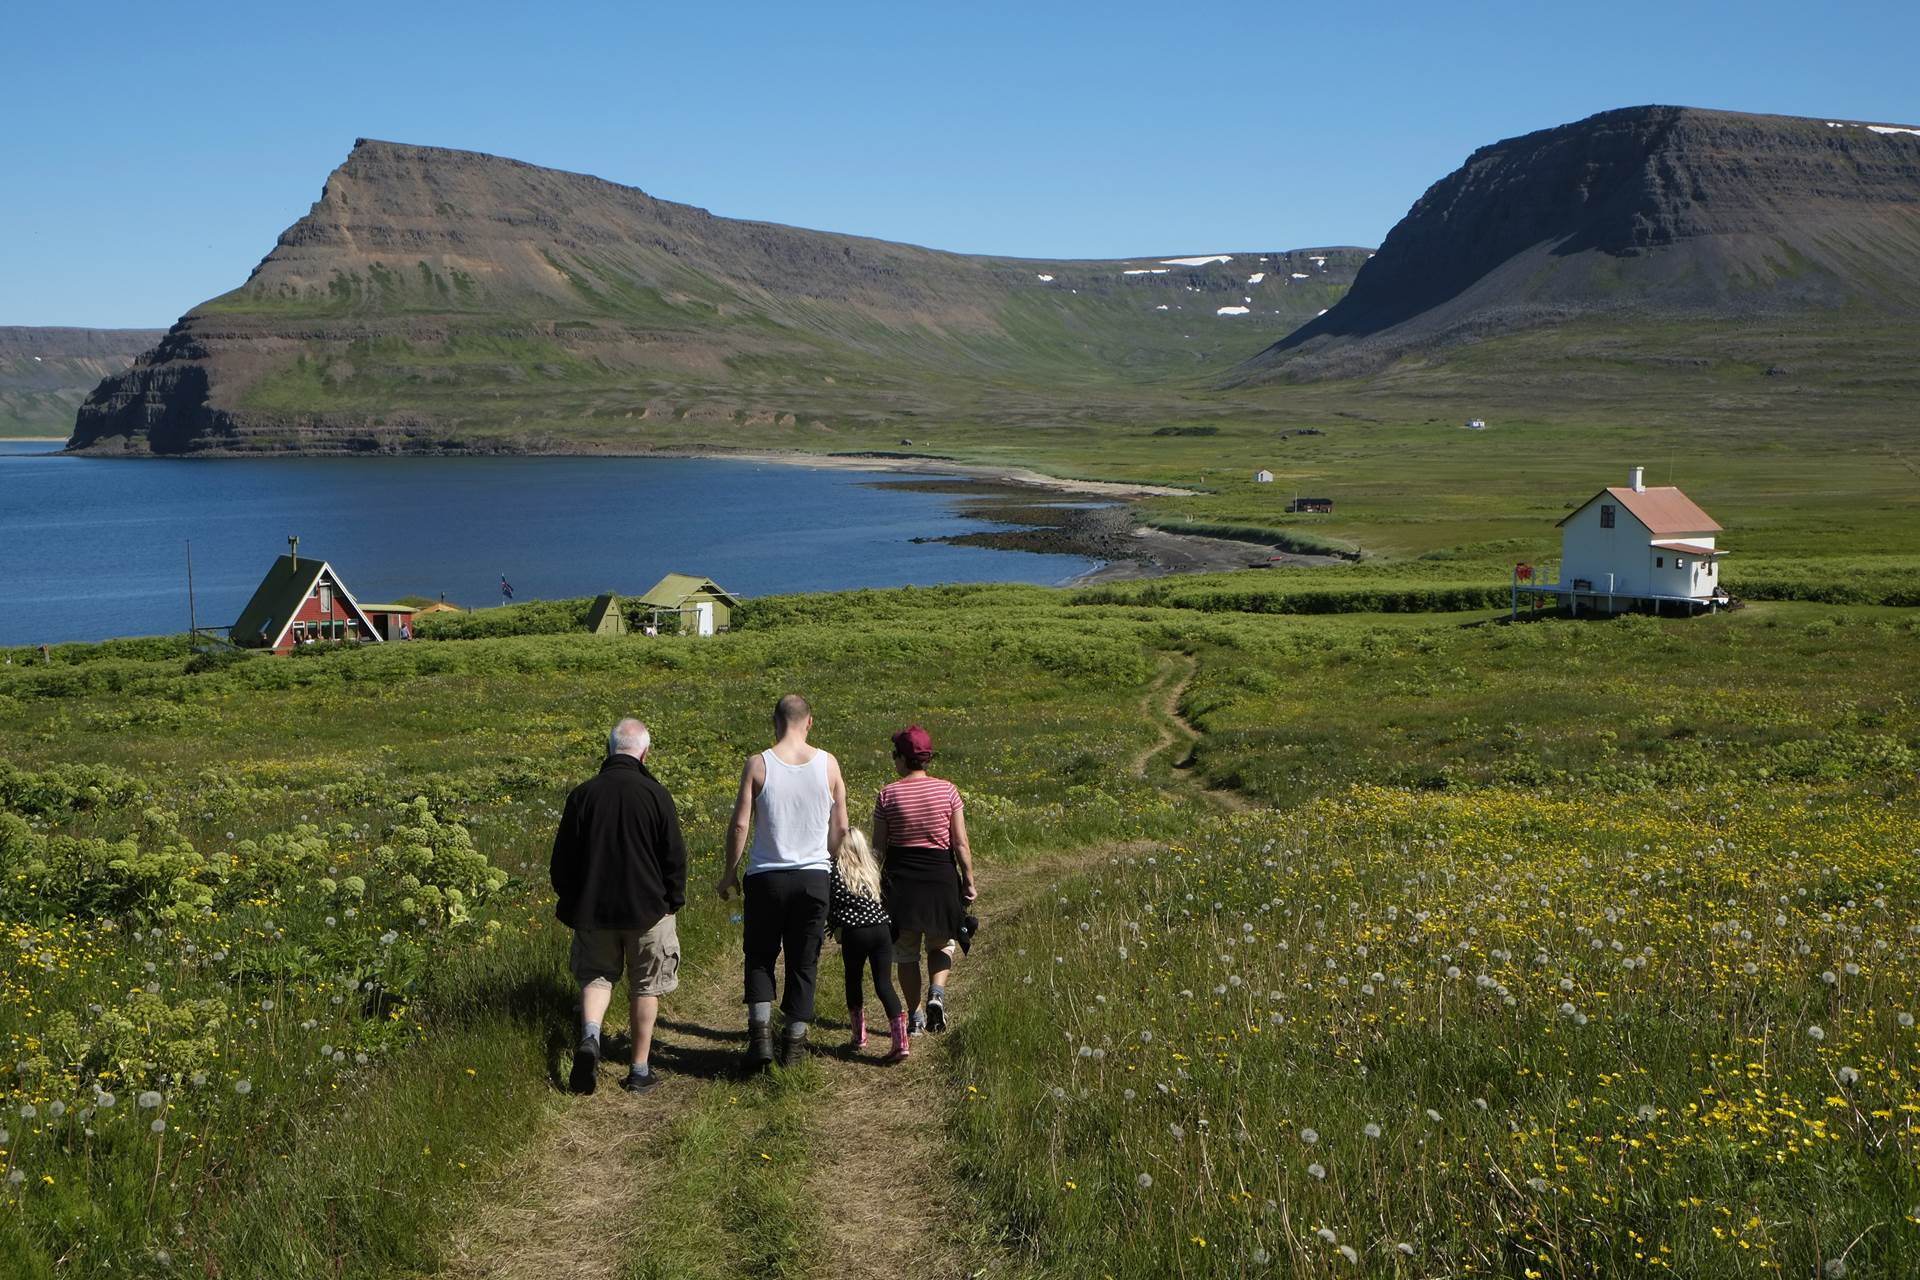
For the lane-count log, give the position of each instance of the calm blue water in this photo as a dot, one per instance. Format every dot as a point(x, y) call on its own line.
point(92, 548)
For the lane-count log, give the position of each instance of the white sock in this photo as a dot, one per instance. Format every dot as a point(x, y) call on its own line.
point(760, 1012)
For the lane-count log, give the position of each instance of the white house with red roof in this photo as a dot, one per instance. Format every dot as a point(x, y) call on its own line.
point(1632, 546)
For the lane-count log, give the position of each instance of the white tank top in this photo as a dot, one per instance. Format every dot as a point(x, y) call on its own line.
point(791, 816)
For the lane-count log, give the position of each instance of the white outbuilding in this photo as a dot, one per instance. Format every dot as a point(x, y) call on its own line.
point(1634, 547)
point(1263, 476)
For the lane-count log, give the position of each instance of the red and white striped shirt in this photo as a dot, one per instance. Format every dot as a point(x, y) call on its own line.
point(918, 812)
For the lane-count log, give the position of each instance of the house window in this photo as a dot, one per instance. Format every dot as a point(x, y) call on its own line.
point(1659, 562)
point(326, 599)
point(1606, 515)
point(1679, 563)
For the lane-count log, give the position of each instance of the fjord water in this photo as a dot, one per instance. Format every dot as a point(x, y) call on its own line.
point(93, 548)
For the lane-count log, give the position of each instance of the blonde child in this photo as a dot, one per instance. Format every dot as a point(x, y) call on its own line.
point(866, 938)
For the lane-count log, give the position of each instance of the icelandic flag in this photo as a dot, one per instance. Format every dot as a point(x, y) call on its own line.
point(506, 588)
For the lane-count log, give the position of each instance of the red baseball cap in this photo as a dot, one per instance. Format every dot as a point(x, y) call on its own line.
point(914, 743)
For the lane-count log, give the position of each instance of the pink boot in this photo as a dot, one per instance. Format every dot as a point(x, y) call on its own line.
point(859, 1018)
point(899, 1038)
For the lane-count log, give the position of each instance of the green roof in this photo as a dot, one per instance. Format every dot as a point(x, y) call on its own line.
point(606, 605)
point(278, 598)
point(671, 592)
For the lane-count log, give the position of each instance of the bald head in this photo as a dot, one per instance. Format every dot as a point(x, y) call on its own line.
point(791, 714)
point(629, 738)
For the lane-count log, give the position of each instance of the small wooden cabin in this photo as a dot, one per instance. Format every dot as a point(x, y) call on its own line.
point(689, 605)
point(391, 621)
point(302, 601)
point(1263, 476)
point(1321, 505)
point(605, 618)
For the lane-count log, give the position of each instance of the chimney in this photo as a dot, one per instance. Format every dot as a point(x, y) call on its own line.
point(1639, 480)
point(293, 543)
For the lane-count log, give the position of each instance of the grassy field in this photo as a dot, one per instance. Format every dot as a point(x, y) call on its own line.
point(284, 997)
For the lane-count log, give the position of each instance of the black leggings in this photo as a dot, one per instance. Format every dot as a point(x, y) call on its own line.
point(870, 945)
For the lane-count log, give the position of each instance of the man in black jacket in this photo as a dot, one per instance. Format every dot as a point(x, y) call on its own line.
point(620, 870)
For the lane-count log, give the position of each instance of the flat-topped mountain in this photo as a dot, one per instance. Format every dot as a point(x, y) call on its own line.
point(436, 299)
point(46, 372)
point(1647, 212)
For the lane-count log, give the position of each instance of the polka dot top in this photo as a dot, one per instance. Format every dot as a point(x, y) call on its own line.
point(849, 910)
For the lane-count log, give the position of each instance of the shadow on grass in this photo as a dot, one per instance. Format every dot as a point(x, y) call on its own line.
point(705, 1053)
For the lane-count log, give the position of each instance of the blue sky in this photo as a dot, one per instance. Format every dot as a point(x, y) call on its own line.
point(151, 154)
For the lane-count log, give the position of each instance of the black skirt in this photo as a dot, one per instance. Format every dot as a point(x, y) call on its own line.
point(921, 889)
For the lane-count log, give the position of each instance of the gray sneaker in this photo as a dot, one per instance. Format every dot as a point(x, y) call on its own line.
point(916, 1023)
point(937, 1013)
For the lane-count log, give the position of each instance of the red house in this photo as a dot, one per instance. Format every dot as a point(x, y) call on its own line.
point(302, 602)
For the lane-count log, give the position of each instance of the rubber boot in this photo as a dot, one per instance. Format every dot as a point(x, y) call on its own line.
point(859, 1019)
point(899, 1038)
point(759, 1045)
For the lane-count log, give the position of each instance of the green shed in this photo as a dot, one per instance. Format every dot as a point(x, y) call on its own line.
point(605, 618)
point(689, 605)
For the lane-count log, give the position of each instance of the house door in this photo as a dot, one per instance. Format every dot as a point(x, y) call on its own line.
point(703, 618)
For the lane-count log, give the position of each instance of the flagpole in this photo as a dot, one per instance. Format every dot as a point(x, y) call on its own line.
point(193, 620)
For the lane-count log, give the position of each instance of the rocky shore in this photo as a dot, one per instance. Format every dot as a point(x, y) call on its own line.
point(1103, 530)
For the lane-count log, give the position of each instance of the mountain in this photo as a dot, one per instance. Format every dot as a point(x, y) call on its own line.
point(46, 372)
point(448, 300)
point(1648, 213)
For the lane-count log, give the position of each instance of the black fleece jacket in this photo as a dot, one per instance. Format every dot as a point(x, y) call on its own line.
point(619, 861)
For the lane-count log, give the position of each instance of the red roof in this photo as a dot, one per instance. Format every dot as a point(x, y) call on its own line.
point(1690, 548)
point(1664, 510)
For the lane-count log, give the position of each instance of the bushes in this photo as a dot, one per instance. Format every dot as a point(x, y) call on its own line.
point(1298, 595)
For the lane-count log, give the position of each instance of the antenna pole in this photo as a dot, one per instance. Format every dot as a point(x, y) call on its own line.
point(193, 619)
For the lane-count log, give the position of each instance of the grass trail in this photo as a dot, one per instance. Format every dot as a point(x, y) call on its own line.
point(842, 1167)
point(571, 1202)
point(1177, 737)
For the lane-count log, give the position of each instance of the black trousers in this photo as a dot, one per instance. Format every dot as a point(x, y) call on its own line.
point(785, 911)
point(870, 946)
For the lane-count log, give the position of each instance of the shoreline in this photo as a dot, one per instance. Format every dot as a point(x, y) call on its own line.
point(924, 464)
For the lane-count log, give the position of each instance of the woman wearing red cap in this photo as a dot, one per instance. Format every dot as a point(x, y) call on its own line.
point(928, 875)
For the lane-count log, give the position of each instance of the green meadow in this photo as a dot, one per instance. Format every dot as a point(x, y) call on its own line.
point(1369, 938)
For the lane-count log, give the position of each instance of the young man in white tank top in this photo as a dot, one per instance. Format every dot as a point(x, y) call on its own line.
point(793, 802)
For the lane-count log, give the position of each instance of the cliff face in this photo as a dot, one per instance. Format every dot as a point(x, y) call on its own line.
point(437, 299)
point(46, 372)
point(1649, 212)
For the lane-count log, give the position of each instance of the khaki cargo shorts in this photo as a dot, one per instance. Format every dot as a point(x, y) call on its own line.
point(907, 947)
point(651, 958)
